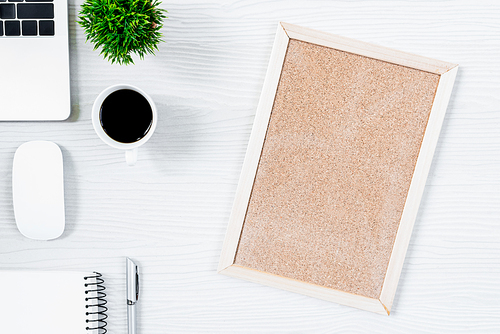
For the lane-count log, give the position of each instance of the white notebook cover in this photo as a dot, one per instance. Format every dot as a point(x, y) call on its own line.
point(43, 302)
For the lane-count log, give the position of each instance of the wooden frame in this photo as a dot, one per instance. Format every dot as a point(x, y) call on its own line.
point(447, 73)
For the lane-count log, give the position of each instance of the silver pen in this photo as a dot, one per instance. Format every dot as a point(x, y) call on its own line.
point(132, 295)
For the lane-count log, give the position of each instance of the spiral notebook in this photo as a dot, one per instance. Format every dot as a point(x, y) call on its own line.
point(52, 302)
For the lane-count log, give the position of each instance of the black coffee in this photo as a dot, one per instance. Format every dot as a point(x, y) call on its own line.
point(126, 116)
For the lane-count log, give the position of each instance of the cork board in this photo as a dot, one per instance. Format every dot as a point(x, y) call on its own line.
point(338, 158)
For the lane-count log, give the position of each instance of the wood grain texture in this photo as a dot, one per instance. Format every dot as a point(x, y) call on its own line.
point(170, 211)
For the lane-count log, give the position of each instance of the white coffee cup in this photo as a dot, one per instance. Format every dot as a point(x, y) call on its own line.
point(129, 147)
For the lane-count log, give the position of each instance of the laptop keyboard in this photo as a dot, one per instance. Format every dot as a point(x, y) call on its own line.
point(28, 18)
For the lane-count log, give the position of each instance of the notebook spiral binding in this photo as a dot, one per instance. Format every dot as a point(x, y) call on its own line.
point(96, 302)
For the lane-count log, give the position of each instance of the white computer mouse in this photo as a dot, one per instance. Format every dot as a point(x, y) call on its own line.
point(38, 190)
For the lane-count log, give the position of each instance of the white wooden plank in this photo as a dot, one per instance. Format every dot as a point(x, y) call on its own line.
point(171, 212)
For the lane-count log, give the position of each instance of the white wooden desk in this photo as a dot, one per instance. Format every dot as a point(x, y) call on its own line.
point(169, 213)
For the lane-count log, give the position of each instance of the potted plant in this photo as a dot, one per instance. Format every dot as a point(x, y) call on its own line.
point(122, 27)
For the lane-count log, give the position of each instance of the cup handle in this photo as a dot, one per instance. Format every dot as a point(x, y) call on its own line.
point(131, 156)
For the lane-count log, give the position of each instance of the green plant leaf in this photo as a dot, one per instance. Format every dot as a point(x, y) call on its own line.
point(122, 27)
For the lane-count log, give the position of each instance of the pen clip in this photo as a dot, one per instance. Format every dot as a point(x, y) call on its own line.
point(132, 282)
point(136, 283)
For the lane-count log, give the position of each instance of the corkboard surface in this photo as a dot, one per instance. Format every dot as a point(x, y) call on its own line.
point(337, 162)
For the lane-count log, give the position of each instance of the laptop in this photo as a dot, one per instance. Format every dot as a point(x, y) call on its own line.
point(34, 60)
